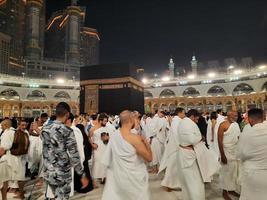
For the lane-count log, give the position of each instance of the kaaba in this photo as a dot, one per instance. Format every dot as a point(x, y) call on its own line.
point(110, 88)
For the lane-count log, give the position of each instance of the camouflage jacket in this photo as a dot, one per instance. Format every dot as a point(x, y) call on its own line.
point(59, 153)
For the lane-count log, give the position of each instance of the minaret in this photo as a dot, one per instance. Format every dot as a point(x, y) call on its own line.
point(171, 68)
point(33, 29)
point(194, 65)
point(73, 33)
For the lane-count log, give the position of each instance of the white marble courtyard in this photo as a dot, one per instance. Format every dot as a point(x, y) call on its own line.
point(157, 193)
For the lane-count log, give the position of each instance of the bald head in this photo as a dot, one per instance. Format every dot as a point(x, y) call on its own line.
point(232, 116)
point(6, 124)
point(125, 117)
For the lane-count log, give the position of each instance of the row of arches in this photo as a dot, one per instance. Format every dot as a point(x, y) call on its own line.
point(31, 109)
point(187, 106)
point(240, 89)
point(240, 103)
point(10, 93)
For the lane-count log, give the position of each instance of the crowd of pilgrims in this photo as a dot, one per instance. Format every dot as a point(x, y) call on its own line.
point(78, 153)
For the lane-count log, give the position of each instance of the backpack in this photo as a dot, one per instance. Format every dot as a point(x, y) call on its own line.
point(20, 144)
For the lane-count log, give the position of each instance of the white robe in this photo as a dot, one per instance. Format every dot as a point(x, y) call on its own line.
point(220, 119)
point(246, 128)
point(143, 126)
point(98, 169)
point(192, 184)
point(35, 150)
point(229, 172)
point(147, 127)
point(169, 161)
point(197, 165)
point(209, 135)
point(110, 128)
point(252, 150)
point(17, 163)
point(127, 176)
point(6, 161)
point(158, 132)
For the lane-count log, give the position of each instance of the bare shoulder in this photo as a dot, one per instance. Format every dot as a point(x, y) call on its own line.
point(134, 139)
point(224, 125)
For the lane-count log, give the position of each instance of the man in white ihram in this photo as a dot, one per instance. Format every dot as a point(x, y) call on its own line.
point(157, 135)
point(197, 163)
point(252, 150)
point(169, 160)
point(125, 156)
point(220, 119)
point(228, 134)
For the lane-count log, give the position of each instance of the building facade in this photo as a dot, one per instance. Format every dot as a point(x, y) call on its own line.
point(38, 50)
point(4, 52)
point(239, 90)
point(24, 97)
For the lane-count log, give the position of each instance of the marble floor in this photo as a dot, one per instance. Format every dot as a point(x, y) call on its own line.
point(157, 193)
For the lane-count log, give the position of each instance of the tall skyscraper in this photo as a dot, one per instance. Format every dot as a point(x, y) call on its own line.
point(89, 46)
point(67, 39)
point(62, 34)
point(12, 23)
point(31, 48)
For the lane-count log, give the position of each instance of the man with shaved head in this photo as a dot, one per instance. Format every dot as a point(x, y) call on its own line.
point(228, 135)
point(125, 157)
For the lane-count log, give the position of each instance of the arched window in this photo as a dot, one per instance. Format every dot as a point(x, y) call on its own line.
point(36, 95)
point(199, 107)
point(210, 107)
point(191, 92)
point(148, 94)
point(172, 107)
point(167, 93)
point(216, 91)
point(62, 95)
point(182, 105)
point(27, 112)
point(190, 106)
point(9, 94)
point(242, 88)
point(164, 107)
point(218, 105)
point(251, 104)
point(229, 106)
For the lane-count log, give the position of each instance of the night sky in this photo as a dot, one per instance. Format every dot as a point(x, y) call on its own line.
point(147, 32)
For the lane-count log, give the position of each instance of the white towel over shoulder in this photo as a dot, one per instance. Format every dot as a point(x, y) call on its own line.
point(127, 176)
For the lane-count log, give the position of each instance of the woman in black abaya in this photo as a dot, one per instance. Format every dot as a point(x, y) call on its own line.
point(87, 154)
